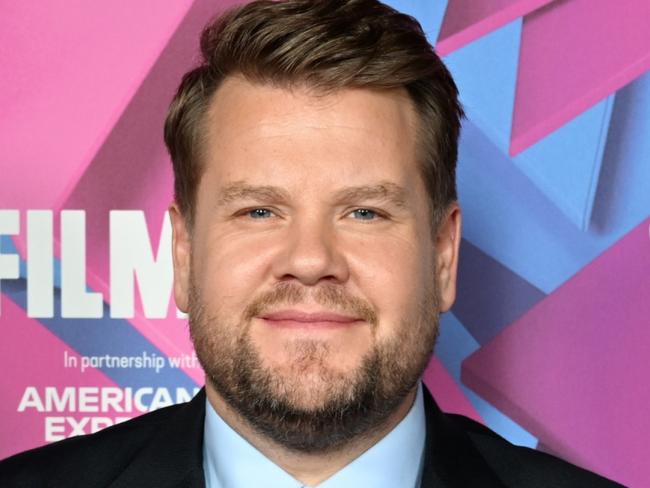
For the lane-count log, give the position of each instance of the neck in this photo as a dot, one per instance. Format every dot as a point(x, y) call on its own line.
point(308, 468)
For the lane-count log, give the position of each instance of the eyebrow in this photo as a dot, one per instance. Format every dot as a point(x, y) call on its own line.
point(242, 191)
point(385, 191)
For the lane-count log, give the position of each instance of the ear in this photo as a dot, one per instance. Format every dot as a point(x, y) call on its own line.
point(447, 249)
point(181, 254)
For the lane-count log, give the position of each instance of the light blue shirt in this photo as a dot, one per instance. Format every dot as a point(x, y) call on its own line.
point(230, 461)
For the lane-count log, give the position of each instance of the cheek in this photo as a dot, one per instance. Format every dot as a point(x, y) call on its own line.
point(229, 271)
point(395, 274)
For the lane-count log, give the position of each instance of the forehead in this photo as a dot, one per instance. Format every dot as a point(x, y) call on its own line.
point(274, 131)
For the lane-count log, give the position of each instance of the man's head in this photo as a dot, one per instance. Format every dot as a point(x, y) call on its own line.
point(314, 153)
point(324, 46)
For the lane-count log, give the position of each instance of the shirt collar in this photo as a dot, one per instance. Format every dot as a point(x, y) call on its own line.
point(231, 461)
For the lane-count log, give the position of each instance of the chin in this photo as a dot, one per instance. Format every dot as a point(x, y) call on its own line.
point(309, 386)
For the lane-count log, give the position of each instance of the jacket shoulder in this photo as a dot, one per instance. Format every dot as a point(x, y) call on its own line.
point(522, 466)
point(87, 460)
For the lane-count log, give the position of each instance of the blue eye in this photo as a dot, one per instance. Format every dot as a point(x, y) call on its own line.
point(259, 213)
point(364, 214)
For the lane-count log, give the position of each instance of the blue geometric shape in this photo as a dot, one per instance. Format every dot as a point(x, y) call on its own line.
point(623, 195)
point(453, 346)
point(428, 13)
point(566, 164)
point(486, 310)
point(508, 218)
point(486, 74)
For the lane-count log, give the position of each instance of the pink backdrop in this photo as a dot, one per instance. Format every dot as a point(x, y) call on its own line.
point(553, 179)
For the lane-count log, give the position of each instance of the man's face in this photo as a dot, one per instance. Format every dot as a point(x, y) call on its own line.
point(310, 273)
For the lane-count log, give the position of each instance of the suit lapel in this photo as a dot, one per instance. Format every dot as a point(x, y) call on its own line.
point(450, 458)
point(174, 456)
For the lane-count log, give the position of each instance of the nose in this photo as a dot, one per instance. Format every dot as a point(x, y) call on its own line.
point(311, 254)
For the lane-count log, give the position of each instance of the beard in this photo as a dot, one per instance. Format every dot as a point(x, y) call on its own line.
point(310, 406)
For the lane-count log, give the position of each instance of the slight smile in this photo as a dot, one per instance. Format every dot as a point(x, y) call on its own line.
point(308, 320)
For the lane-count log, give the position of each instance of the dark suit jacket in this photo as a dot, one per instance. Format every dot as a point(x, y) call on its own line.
point(163, 449)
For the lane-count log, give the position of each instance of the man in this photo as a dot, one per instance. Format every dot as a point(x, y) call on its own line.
point(316, 237)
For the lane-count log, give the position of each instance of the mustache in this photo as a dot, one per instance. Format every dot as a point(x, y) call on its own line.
point(334, 297)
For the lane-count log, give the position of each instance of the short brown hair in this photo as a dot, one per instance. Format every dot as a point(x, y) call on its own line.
point(326, 45)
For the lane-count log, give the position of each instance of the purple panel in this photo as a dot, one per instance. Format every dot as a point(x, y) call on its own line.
point(573, 371)
point(574, 54)
point(467, 20)
point(485, 310)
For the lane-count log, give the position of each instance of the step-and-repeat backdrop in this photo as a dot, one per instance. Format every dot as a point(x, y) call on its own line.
point(549, 341)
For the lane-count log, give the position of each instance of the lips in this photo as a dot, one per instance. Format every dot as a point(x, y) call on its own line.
point(297, 318)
